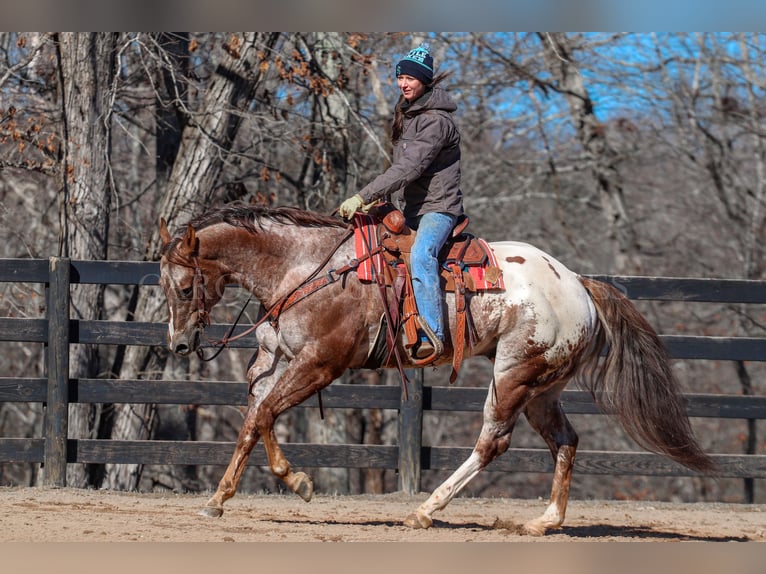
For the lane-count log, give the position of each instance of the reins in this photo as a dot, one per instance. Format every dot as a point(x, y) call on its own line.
point(308, 286)
point(277, 308)
point(224, 341)
point(391, 331)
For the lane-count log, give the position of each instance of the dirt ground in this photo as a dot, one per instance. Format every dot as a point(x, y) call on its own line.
point(71, 515)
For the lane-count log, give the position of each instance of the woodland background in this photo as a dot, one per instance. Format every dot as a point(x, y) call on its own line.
point(634, 154)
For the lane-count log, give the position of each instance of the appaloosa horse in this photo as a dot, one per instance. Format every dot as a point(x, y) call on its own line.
point(546, 327)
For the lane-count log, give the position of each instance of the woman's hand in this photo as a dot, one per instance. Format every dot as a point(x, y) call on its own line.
point(349, 207)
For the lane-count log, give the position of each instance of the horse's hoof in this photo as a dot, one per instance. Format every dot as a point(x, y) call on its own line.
point(211, 511)
point(534, 528)
point(417, 521)
point(304, 486)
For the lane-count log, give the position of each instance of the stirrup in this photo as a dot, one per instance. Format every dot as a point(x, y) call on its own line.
point(423, 349)
point(429, 348)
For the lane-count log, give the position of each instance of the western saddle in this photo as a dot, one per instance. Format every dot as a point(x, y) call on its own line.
point(467, 265)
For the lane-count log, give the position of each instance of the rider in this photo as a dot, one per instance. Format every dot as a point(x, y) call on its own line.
point(426, 172)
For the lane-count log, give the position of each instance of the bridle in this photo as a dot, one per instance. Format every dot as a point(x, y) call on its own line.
point(198, 289)
point(198, 285)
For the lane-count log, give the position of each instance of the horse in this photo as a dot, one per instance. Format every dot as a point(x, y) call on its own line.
point(546, 327)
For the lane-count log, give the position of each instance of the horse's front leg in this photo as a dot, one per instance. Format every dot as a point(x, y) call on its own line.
point(299, 482)
point(262, 375)
point(227, 486)
point(304, 376)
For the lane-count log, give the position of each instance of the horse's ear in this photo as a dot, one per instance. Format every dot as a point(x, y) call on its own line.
point(164, 233)
point(189, 243)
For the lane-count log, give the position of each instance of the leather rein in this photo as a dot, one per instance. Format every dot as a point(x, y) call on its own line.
point(308, 286)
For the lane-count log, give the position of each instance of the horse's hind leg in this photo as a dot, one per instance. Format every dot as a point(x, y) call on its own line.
point(488, 443)
point(494, 439)
point(547, 418)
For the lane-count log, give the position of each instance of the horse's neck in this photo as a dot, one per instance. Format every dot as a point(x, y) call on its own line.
point(277, 259)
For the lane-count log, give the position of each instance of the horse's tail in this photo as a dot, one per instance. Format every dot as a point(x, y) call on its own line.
point(636, 383)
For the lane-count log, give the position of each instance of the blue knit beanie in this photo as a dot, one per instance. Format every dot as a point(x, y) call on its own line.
point(418, 64)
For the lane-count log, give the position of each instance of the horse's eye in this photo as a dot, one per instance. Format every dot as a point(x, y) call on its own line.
point(187, 293)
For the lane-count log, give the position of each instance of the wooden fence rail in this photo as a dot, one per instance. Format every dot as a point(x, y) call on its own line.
point(57, 331)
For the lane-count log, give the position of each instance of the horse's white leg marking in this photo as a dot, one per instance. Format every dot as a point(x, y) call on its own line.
point(551, 518)
point(445, 492)
point(492, 442)
point(171, 329)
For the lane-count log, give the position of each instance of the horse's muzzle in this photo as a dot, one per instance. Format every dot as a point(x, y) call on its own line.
point(185, 345)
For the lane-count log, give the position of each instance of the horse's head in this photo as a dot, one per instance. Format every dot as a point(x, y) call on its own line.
point(192, 286)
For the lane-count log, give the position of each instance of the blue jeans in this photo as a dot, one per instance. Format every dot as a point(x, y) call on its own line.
point(433, 231)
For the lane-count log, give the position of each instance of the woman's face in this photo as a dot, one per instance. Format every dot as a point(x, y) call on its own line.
point(411, 88)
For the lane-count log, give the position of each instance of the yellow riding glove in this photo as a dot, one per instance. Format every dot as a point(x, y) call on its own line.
point(349, 207)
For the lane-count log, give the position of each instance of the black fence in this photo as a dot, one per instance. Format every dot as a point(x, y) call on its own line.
point(56, 330)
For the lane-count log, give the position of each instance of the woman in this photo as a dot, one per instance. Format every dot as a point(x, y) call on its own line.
point(426, 173)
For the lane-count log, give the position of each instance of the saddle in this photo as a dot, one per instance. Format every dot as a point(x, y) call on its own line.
point(468, 265)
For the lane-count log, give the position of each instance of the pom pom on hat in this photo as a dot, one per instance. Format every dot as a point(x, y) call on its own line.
point(418, 63)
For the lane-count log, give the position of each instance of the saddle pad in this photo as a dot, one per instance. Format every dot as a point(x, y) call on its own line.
point(482, 281)
point(365, 240)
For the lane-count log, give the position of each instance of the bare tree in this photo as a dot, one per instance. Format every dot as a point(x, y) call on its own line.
point(559, 50)
point(718, 110)
point(208, 136)
point(87, 64)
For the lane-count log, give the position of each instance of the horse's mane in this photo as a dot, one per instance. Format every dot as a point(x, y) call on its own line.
point(251, 216)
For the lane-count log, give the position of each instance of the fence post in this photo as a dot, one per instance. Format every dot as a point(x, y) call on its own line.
point(411, 433)
point(57, 410)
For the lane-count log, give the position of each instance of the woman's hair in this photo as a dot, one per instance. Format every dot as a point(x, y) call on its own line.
point(398, 125)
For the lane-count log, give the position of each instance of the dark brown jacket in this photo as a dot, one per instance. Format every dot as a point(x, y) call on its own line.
point(426, 165)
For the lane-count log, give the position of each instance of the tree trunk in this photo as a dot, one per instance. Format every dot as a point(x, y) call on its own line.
point(330, 143)
point(599, 153)
point(372, 426)
point(191, 184)
point(87, 64)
